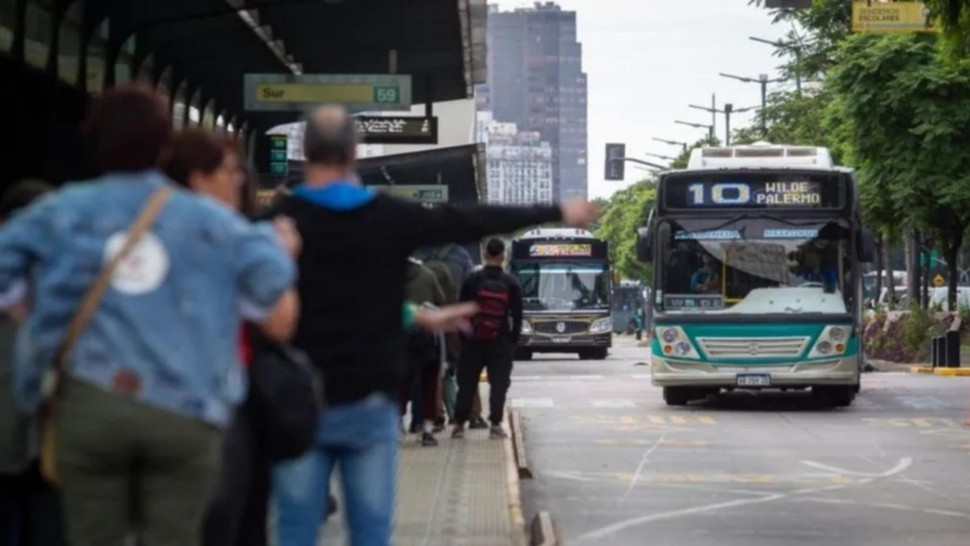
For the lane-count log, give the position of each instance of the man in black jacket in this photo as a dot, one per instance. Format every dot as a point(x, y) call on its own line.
point(484, 348)
point(351, 285)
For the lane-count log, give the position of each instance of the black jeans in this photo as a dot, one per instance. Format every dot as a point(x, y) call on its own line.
point(30, 510)
point(238, 513)
point(496, 357)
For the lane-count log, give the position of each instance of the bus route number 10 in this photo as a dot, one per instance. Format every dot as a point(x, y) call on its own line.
point(726, 193)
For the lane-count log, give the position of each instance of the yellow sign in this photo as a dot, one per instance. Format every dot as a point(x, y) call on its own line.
point(938, 280)
point(314, 92)
point(892, 17)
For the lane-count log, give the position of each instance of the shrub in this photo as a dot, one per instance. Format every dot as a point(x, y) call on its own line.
point(904, 337)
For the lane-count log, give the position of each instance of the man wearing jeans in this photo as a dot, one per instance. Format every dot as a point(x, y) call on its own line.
point(351, 285)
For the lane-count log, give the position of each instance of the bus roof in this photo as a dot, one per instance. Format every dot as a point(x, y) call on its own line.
point(557, 233)
point(760, 155)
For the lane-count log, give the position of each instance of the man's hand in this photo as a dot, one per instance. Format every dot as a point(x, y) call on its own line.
point(450, 318)
point(579, 212)
point(288, 236)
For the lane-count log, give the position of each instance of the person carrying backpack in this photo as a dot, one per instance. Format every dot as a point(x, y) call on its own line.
point(491, 342)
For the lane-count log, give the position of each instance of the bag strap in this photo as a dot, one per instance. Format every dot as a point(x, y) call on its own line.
point(92, 298)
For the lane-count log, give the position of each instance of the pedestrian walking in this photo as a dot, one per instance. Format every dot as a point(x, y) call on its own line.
point(30, 511)
point(492, 340)
point(424, 354)
point(351, 285)
point(137, 287)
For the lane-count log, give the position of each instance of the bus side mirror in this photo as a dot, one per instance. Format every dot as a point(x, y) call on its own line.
point(867, 247)
point(644, 246)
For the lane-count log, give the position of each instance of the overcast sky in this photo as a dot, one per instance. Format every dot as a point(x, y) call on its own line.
point(646, 60)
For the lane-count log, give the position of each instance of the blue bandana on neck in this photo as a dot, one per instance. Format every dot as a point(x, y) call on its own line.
point(340, 195)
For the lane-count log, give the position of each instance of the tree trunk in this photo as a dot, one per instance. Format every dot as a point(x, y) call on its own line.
point(912, 266)
point(951, 252)
point(879, 268)
point(887, 253)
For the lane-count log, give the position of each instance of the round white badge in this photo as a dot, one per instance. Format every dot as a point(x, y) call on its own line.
point(143, 269)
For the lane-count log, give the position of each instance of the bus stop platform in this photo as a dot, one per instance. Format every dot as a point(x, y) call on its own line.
point(459, 493)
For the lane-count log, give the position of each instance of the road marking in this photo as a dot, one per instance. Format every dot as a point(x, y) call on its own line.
point(921, 422)
point(648, 420)
point(643, 462)
point(836, 470)
point(532, 403)
point(922, 402)
point(527, 377)
point(600, 534)
point(583, 377)
point(613, 403)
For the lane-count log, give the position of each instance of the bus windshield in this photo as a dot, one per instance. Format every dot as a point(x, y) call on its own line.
point(754, 267)
point(564, 286)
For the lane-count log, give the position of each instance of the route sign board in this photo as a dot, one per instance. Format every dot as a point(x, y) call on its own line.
point(397, 129)
point(432, 194)
point(278, 158)
point(788, 3)
point(615, 168)
point(892, 17)
point(357, 92)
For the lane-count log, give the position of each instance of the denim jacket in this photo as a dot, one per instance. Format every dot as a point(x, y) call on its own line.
point(171, 315)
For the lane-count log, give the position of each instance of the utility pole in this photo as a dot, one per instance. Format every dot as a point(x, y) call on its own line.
point(728, 110)
point(763, 81)
point(796, 49)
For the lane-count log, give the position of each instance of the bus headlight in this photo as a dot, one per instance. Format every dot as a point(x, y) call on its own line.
point(526, 327)
point(601, 326)
point(674, 342)
point(832, 342)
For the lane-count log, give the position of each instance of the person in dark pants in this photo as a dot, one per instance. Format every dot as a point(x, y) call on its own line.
point(491, 343)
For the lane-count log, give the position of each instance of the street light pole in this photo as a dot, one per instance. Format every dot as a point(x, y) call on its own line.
point(728, 110)
point(796, 49)
point(763, 81)
point(710, 128)
point(673, 142)
point(660, 156)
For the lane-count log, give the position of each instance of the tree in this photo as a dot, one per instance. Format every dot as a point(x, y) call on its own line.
point(792, 119)
point(954, 17)
point(625, 212)
point(906, 125)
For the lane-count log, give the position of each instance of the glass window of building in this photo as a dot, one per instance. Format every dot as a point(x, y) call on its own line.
point(96, 58)
point(125, 65)
point(37, 36)
point(8, 20)
point(146, 72)
point(209, 115)
point(179, 106)
point(69, 44)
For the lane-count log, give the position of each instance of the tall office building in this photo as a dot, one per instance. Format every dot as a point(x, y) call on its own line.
point(536, 80)
point(519, 163)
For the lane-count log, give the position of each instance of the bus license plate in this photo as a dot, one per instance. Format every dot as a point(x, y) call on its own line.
point(561, 339)
point(754, 380)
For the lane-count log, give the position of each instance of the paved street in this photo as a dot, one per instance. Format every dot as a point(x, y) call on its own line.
point(614, 465)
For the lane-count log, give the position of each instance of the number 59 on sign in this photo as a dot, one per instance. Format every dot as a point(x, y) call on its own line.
point(385, 95)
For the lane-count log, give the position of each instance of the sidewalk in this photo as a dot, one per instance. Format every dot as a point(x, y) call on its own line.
point(463, 492)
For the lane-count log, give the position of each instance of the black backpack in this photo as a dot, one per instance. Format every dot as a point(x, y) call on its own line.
point(493, 309)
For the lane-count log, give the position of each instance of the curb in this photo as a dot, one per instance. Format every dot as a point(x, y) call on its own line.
point(518, 446)
point(543, 532)
point(516, 515)
point(940, 372)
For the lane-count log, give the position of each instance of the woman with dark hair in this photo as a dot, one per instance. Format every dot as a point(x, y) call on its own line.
point(151, 378)
point(209, 165)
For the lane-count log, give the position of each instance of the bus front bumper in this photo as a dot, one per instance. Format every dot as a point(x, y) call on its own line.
point(553, 344)
point(680, 373)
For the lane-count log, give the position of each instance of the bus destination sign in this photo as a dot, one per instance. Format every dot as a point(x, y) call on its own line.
point(740, 193)
point(561, 250)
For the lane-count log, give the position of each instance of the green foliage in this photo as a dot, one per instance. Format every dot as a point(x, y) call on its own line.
point(954, 17)
point(625, 212)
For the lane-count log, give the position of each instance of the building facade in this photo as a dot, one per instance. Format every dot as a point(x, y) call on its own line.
point(520, 170)
point(536, 80)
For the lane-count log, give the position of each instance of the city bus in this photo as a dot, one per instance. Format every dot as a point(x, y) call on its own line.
point(566, 281)
point(757, 254)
